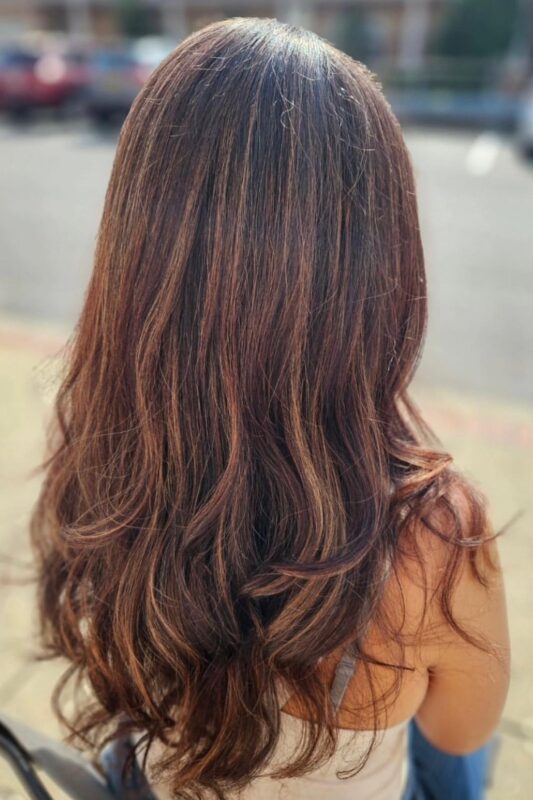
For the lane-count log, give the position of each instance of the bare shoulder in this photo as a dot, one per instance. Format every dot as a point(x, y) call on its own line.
point(436, 589)
point(445, 572)
point(449, 563)
point(452, 577)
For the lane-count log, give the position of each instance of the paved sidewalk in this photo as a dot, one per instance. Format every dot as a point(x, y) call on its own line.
point(491, 441)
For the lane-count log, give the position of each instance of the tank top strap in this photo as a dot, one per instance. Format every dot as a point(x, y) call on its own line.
point(345, 669)
point(344, 672)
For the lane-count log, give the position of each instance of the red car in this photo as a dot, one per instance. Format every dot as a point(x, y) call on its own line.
point(30, 79)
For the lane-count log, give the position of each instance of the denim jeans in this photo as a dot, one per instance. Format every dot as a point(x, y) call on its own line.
point(435, 775)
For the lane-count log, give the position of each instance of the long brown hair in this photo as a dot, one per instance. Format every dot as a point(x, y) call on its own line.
point(234, 452)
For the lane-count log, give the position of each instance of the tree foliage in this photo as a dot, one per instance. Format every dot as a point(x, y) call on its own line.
point(134, 20)
point(476, 28)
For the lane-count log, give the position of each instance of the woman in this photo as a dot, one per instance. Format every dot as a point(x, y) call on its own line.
point(252, 550)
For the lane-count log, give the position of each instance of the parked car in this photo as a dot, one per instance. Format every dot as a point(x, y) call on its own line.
point(484, 109)
point(32, 79)
point(17, 77)
point(118, 73)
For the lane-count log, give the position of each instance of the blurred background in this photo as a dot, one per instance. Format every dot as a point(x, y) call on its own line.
point(459, 74)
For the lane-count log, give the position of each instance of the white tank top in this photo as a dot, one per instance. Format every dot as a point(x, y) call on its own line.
point(383, 777)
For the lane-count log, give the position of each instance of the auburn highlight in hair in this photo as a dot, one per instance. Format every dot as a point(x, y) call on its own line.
point(234, 454)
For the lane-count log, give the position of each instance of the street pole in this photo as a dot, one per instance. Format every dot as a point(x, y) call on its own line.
point(174, 19)
point(78, 18)
point(415, 27)
point(518, 63)
point(295, 12)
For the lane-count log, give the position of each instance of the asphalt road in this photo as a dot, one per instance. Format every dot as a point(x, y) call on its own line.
point(476, 204)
